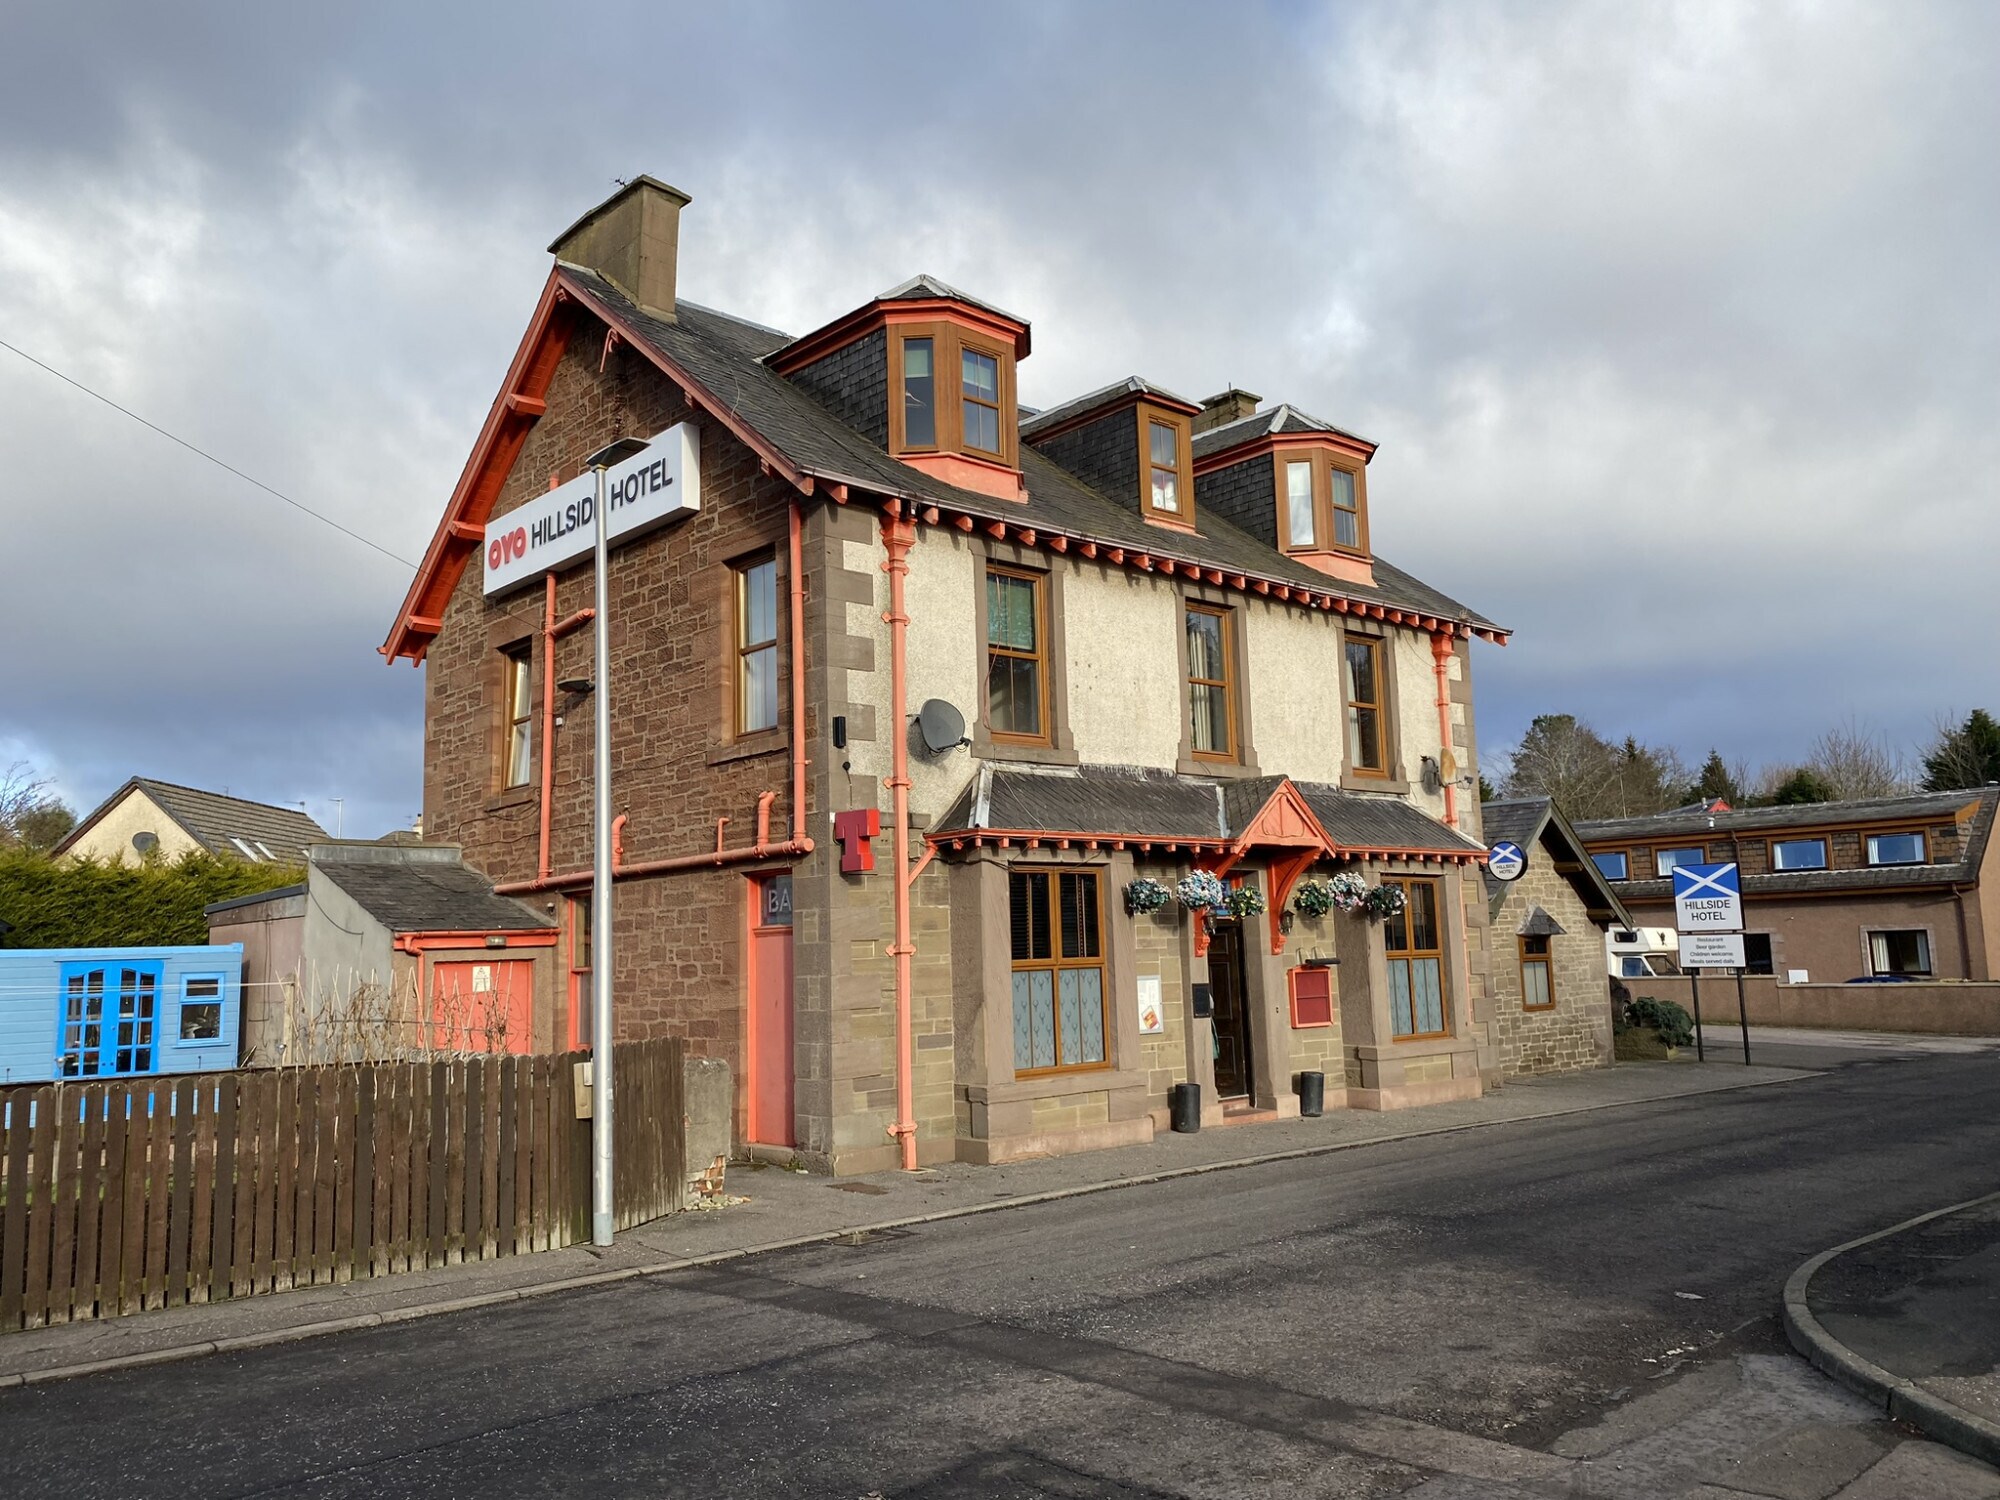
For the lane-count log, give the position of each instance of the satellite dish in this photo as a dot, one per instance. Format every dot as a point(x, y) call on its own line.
point(941, 725)
point(145, 843)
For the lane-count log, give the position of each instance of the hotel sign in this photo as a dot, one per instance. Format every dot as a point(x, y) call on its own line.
point(648, 490)
point(1707, 898)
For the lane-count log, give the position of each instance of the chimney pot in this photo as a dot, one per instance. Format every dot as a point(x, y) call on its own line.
point(1232, 405)
point(632, 240)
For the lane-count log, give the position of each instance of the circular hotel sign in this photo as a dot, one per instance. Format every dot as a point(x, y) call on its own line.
point(1506, 860)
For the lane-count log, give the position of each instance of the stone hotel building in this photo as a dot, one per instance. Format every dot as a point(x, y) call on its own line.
point(1145, 637)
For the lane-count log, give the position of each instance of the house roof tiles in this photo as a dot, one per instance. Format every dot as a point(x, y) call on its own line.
point(216, 821)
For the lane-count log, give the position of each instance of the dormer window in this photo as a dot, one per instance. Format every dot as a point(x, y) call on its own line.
point(979, 394)
point(955, 397)
point(1163, 446)
point(1323, 502)
point(919, 394)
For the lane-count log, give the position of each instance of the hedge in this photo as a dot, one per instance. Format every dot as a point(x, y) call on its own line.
point(89, 905)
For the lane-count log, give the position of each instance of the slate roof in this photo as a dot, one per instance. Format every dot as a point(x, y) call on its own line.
point(922, 286)
point(1530, 821)
point(1076, 406)
point(427, 889)
point(214, 821)
point(1276, 421)
point(725, 354)
point(1138, 803)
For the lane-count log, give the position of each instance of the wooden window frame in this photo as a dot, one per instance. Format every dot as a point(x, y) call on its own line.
point(1825, 854)
point(1182, 426)
point(966, 400)
point(517, 667)
point(1624, 858)
point(1546, 958)
point(1922, 835)
point(741, 649)
point(1227, 682)
point(949, 343)
point(1323, 461)
point(578, 937)
point(1411, 954)
point(1040, 656)
point(1058, 962)
point(1377, 645)
point(1700, 851)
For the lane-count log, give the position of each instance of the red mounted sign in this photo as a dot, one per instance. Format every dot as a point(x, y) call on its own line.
point(854, 830)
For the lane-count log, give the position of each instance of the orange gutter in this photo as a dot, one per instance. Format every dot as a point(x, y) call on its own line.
point(418, 942)
point(552, 631)
point(898, 532)
point(1441, 663)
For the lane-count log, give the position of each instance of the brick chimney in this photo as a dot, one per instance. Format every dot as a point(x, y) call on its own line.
point(1232, 405)
point(631, 239)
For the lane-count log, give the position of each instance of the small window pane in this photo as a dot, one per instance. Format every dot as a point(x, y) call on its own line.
point(1610, 866)
point(919, 395)
point(982, 428)
point(201, 1023)
point(1209, 707)
point(1299, 503)
point(980, 386)
point(1422, 907)
point(981, 373)
point(1079, 916)
point(1010, 612)
point(760, 603)
point(1899, 952)
point(1895, 848)
point(1014, 695)
point(1535, 985)
point(1799, 854)
point(1028, 902)
point(760, 689)
point(1665, 861)
point(1166, 489)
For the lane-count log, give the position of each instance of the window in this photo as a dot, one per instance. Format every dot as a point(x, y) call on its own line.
point(1896, 849)
point(1610, 866)
point(1346, 514)
point(919, 394)
point(201, 1010)
point(1058, 970)
point(1757, 957)
point(1324, 503)
point(1366, 755)
point(516, 673)
point(1016, 665)
point(1415, 949)
point(579, 970)
point(1163, 447)
point(1665, 860)
point(1210, 696)
point(1538, 982)
point(757, 646)
point(1299, 504)
point(979, 394)
point(1899, 953)
point(1798, 854)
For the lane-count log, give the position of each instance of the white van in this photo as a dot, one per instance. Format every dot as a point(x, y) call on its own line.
point(1642, 952)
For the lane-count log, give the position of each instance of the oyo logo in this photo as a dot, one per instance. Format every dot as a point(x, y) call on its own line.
point(506, 547)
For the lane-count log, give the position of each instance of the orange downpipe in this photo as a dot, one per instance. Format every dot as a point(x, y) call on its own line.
point(898, 532)
point(1441, 663)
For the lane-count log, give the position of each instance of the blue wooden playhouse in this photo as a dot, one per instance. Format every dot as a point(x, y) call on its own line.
point(83, 1013)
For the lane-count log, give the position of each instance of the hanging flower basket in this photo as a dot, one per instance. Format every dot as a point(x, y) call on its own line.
point(1244, 901)
point(1383, 901)
point(1313, 899)
point(1200, 891)
point(1349, 890)
point(1143, 897)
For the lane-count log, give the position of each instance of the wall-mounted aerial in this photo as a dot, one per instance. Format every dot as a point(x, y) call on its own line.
point(941, 726)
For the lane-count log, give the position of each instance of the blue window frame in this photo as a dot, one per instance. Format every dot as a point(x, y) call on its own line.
point(1610, 866)
point(107, 1019)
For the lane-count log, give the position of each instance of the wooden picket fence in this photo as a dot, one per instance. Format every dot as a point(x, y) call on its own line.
point(122, 1196)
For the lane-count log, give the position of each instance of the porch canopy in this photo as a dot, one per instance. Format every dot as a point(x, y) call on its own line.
point(1292, 825)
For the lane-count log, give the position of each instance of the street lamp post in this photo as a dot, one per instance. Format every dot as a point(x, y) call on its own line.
point(601, 1206)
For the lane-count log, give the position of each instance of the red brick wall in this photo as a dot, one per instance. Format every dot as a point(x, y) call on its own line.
point(678, 947)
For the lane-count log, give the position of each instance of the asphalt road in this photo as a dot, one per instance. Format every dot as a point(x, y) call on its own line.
point(1440, 1317)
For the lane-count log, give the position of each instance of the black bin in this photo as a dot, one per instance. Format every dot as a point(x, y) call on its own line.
point(1312, 1095)
point(1184, 1107)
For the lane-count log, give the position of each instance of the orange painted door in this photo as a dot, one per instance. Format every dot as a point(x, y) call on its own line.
point(771, 1011)
point(483, 1007)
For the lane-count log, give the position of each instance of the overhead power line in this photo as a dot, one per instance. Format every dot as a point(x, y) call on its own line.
point(204, 453)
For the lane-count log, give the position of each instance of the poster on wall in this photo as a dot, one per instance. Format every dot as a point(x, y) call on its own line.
point(1152, 1017)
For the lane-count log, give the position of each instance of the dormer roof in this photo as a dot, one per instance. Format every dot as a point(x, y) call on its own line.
point(919, 293)
point(1283, 420)
point(1131, 388)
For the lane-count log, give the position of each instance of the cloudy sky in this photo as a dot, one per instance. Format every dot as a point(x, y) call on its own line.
point(1678, 325)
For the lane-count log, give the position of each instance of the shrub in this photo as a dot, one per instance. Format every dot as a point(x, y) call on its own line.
point(89, 905)
point(1667, 1017)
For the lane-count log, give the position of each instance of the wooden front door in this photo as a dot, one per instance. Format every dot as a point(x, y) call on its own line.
point(483, 1007)
point(1232, 1010)
point(770, 1040)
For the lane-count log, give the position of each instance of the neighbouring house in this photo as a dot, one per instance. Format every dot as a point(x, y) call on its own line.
point(911, 691)
point(1551, 994)
point(1832, 891)
point(392, 950)
point(145, 818)
point(88, 1013)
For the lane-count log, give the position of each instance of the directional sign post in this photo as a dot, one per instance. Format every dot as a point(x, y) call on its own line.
point(1708, 912)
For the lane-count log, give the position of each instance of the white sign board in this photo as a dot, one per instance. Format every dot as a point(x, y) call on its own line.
point(1707, 898)
point(1712, 950)
point(1152, 1019)
point(649, 489)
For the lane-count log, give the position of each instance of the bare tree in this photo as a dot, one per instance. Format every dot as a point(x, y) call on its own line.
point(1855, 761)
point(1562, 758)
point(29, 815)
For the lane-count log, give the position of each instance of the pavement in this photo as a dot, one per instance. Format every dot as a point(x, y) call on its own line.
point(1579, 1301)
point(770, 1208)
